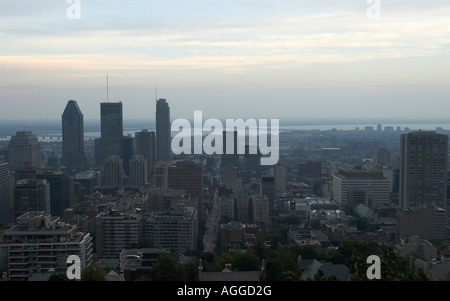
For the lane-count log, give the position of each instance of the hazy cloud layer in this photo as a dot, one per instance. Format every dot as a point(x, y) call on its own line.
point(252, 58)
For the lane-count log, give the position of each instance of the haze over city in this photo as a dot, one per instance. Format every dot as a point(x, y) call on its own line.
point(230, 59)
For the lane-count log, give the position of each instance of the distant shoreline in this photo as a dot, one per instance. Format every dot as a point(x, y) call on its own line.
point(92, 128)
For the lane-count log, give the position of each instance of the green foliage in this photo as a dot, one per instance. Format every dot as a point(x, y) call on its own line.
point(168, 268)
point(93, 273)
point(59, 277)
point(289, 276)
point(316, 224)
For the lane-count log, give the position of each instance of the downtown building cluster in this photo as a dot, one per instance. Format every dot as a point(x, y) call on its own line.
point(122, 200)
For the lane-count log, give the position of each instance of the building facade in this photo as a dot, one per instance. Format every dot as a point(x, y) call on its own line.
point(423, 169)
point(163, 131)
point(40, 242)
point(116, 231)
point(112, 171)
point(145, 144)
point(347, 184)
point(24, 147)
point(175, 230)
point(73, 136)
point(138, 171)
point(111, 123)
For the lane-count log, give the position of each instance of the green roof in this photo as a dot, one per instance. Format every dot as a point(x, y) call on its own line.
point(364, 211)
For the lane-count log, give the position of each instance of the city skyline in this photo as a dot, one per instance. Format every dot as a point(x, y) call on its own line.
point(247, 59)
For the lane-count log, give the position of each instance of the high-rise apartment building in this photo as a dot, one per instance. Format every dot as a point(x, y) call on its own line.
point(40, 243)
point(73, 136)
point(24, 147)
point(116, 231)
point(145, 145)
point(423, 169)
point(163, 131)
point(175, 230)
point(111, 119)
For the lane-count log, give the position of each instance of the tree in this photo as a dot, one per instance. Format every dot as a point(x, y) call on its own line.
point(93, 273)
point(168, 268)
point(59, 275)
point(316, 224)
point(289, 276)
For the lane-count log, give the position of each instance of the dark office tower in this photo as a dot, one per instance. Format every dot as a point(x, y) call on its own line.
point(268, 189)
point(252, 162)
point(128, 152)
point(59, 191)
point(145, 146)
point(423, 169)
point(112, 171)
point(24, 147)
point(230, 160)
point(31, 195)
point(111, 129)
point(163, 131)
point(188, 176)
point(138, 171)
point(26, 172)
point(73, 136)
point(6, 207)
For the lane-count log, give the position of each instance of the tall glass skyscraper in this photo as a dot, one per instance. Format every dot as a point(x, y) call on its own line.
point(111, 119)
point(6, 206)
point(163, 131)
point(145, 145)
point(73, 136)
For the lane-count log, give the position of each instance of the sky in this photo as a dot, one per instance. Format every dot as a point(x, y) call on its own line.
point(290, 60)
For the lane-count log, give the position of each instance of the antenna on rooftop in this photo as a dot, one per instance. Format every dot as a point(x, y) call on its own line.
point(107, 88)
point(156, 92)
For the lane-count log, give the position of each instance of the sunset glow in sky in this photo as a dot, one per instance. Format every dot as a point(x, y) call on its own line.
point(228, 58)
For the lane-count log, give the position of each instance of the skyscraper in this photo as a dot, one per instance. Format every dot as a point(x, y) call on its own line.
point(73, 136)
point(188, 176)
point(163, 131)
point(31, 195)
point(423, 169)
point(145, 145)
point(127, 153)
point(112, 171)
point(111, 116)
point(24, 147)
point(230, 160)
point(6, 207)
point(59, 191)
point(280, 175)
point(138, 171)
